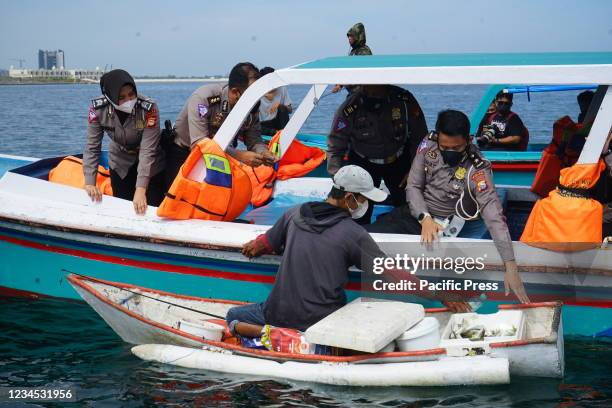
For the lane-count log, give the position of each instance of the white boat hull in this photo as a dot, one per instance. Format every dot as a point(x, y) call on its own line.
point(479, 370)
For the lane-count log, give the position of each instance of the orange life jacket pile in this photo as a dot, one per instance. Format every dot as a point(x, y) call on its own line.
point(568, 219)
point(228, 185)
point(70, 173)
point(298, 161)
point(222, 195)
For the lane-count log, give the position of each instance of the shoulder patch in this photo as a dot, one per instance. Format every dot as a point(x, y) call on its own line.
point(146, 104)
point(202, 110)
point(214, 99)
point(480, 180)
point(99, 103)
point(340, 124)
point(422, 146)
point(152, 117)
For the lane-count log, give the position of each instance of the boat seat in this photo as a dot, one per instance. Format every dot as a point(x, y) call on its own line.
point(271, 212)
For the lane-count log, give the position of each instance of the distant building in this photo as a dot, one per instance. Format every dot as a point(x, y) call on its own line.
point(61, 74)
point(4, 72)
point(51, 59)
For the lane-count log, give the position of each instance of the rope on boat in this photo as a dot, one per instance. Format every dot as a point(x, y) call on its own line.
point(149, 297)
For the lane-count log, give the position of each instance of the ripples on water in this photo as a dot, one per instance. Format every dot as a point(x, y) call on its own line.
point(44, 120)
point(56, 343)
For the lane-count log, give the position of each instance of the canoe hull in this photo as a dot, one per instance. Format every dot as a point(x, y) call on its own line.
point(445, 372)
point(143, 320)
point(131, 330)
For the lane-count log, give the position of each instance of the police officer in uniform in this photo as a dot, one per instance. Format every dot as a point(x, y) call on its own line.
point(379, 127)
point(205, 111)
point(449, 177)
point(136, 159)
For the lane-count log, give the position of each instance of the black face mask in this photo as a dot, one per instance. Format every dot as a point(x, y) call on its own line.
point(452, 157)
point(372, 104)
point(503, 107)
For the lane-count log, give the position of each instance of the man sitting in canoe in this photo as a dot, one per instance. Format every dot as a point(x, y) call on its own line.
point(319, 242)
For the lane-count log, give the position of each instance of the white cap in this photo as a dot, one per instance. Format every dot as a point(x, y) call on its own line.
point(354, 179)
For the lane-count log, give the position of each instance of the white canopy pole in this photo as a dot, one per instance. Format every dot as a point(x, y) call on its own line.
point(300, 115)
point(599, 131)
point(241, 110)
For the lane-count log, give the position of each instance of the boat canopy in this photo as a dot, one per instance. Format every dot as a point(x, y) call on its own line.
point(460, 60)
point(575, 68)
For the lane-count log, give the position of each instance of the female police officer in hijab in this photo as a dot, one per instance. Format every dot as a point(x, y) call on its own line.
point(136, 159)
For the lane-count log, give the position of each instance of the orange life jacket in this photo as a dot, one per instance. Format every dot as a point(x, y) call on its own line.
point(70, 173)
point(298, 161)
point(222, 195)
point(568, 220)
point(557, 155)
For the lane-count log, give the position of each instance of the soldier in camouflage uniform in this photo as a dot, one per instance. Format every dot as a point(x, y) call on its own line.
point(357, 40)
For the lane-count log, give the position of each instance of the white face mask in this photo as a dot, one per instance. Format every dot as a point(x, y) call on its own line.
point(126, 107)
point(361, 209)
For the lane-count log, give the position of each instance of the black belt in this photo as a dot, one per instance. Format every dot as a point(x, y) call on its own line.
point(386, 160)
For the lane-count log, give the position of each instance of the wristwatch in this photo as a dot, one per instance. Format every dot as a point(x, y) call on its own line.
point(422, 216)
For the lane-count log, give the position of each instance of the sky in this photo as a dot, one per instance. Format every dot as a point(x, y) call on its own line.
point(196, 38)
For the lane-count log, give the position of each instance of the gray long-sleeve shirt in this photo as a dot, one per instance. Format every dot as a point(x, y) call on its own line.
point(137, 139)
point(319, 243)
point(434, 187)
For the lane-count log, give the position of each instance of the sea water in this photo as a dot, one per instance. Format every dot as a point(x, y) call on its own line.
point(46, 343)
